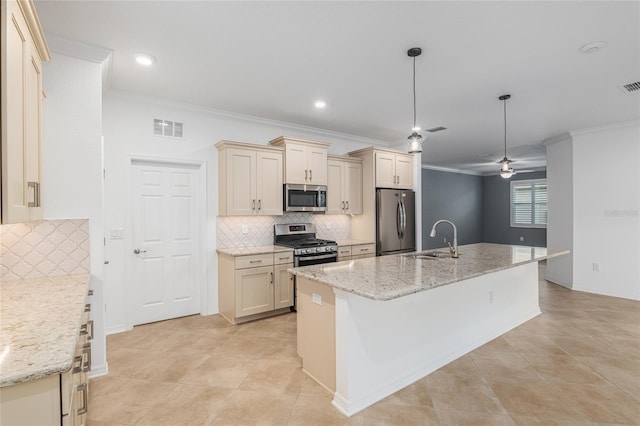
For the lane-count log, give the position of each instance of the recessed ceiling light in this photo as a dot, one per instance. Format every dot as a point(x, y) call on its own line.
point(145, 60)
point(592, 47)
point(320, 104)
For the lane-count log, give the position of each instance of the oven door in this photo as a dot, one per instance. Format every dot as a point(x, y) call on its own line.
point(315, 259)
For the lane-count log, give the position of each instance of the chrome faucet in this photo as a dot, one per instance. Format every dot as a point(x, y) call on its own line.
point(453, 250)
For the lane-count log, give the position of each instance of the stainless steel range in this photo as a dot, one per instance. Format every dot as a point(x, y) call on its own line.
point(307, 249)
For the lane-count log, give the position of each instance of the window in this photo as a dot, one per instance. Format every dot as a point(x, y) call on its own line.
point(529, 203)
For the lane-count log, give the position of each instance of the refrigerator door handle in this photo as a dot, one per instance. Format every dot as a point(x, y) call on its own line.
point(399, 219)
point(404, 219)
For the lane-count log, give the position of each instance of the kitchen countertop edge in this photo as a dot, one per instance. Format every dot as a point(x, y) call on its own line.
point(56, 349)
point(318, 273)
point(247, 251)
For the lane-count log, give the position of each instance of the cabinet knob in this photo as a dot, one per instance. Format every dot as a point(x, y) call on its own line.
point(138, 251)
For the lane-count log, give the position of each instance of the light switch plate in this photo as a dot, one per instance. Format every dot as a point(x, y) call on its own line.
point(316, 298)
point(117, 234)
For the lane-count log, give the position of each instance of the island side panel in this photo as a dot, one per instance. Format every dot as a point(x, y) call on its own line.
point(316, 331)
point(383, 346)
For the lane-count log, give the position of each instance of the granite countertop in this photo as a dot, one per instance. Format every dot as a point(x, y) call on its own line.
point(353, 242)
point(246, 251)
point(39, 326)
point(390, 277)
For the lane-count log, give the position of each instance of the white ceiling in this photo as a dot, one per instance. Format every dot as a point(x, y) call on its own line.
point(274, 59)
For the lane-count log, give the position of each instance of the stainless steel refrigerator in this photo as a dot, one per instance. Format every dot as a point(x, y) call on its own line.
point(395, 221)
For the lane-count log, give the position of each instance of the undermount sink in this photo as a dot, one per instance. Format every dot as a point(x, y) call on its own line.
point(431, 254)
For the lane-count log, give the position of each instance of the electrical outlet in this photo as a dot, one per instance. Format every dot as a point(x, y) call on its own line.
point(444, 240)
point(316, 298)
point(595, 267)
point(245, 229)
point(521, 238)
point(490, 297)
point(328, 226)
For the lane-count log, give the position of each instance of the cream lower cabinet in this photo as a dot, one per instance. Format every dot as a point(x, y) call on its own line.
point(362, 251)
point(254, 286)
point(22, 53)
point(357, 251)
point(344, 253)
point(58, 399)
point(344, 187)
point(250, 179)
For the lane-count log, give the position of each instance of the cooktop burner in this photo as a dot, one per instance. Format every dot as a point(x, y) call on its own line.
point(302, 238)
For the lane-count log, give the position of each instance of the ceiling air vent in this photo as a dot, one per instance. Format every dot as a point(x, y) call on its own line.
point(167, 128)
point(436, 129)
point(631, 87)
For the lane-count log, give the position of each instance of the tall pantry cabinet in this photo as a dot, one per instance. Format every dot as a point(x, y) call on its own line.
point(23, 50)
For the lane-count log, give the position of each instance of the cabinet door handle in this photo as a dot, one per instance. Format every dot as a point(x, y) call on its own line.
point(283, 258)
point(87, 307)
point(253, 204)
point(86, 350)
point(305, 174)
point(255, 261)
point(271, 277)
point(347, 205)
point(90, 329)
point(342, 205)
point(310, 175)
point(77, 368)
point(259, 204)
point(36, 194)
point(83, 388)
point(90, 293)
point(138, 251)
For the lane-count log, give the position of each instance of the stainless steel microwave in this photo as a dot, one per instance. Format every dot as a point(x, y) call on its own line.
point(305, 198)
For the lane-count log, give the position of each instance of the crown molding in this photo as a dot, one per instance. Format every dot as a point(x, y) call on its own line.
point(614, 126)
point(451, 170)
point(245, 117)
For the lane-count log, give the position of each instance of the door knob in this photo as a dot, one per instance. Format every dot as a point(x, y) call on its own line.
point(138, 251)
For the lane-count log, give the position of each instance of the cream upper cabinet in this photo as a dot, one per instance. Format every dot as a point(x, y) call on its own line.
point(305, 162)
point(23, 51)
point(344, 187)
point(394, 170)
point(250, 179)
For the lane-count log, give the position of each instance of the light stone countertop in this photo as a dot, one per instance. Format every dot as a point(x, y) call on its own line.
point(390, 277)
point(246, 251)
point(39, 326)
point(353, 242)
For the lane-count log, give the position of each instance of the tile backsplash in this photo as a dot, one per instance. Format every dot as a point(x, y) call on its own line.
point(46, 248)
point(260, 228)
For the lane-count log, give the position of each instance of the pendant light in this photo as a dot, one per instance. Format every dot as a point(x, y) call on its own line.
point(506, 171)
point(415, 139)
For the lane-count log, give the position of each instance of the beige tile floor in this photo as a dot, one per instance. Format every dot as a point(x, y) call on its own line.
point(576, 364)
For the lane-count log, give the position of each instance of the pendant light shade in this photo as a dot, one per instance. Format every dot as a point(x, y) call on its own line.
point(415, 139)
point(506, 171)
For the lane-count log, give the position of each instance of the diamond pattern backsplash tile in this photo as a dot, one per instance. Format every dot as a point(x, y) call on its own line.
point(260, 228)
point(38, 249)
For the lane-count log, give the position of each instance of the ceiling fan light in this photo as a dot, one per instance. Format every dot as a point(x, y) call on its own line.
point(415, 143)
point(506, 174)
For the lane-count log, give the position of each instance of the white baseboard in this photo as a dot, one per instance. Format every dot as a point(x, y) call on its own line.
point(99, 370)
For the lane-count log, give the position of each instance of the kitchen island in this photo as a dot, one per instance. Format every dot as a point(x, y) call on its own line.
point(369, 327)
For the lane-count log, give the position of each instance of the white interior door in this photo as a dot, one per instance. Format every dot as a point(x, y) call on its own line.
point(166, 238)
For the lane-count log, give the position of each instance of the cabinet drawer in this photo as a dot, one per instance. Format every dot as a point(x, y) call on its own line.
point(363, 249)
point(281, 258)
point(254, 261)
point(344, 251)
